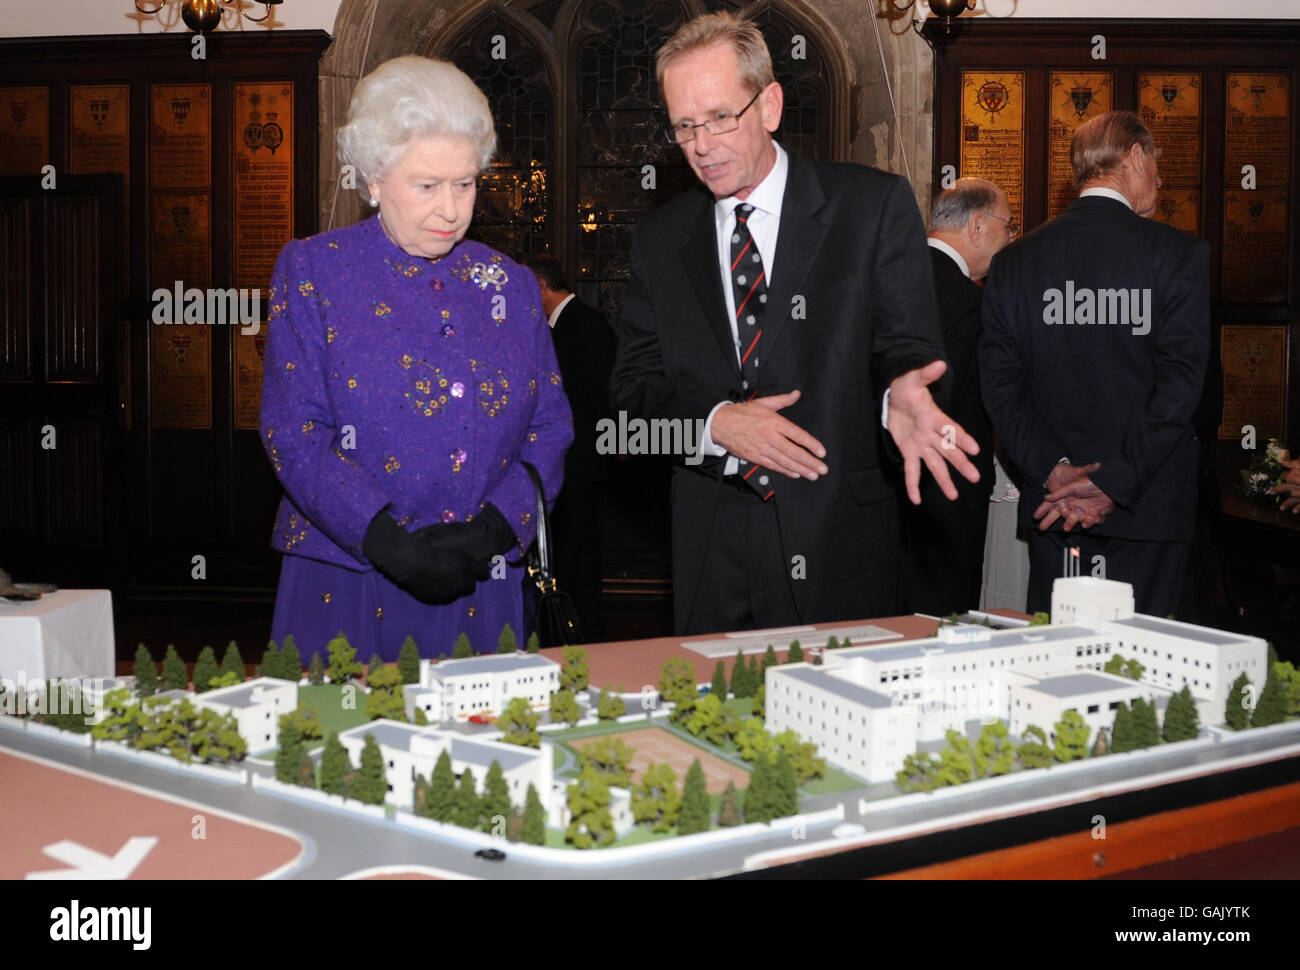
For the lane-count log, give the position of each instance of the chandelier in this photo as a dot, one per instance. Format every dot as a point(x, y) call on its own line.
point(202, 16)
point(945, 10)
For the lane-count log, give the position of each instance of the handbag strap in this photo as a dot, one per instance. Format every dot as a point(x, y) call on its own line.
point(543, 521)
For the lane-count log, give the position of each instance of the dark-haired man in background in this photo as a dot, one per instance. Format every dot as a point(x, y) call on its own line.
point(584, 348)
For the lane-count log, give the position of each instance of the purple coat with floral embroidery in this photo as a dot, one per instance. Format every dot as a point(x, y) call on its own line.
point(392, 381)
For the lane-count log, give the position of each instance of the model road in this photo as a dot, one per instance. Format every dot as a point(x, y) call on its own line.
point(338, 843)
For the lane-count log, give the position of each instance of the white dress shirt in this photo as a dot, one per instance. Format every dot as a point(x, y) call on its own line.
point(1108, 193)
point(764, 223)
point(957, 257)
point(559, 308)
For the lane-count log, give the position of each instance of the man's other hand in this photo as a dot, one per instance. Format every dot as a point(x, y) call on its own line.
point(923, 433)
point(756, 433)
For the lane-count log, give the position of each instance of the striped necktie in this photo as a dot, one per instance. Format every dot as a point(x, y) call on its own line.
point(749, 284)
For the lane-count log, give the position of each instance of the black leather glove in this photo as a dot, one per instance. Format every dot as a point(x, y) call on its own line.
point(488, 534)
point(432, 575)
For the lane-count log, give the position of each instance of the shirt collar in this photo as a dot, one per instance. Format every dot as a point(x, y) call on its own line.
point(767, 195)
point(943, 247)
point(1108, 193)
point(559, 308)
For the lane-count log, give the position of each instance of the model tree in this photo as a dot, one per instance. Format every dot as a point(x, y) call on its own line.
point(1134, 669)
point(1290, 678)
point(994, 753)
point(610, 706)
point(920, 772)
point(232, 662)
point(270, 666)
point(290, 661)
point(718, 686)
point(1237, 713)
point(369, 786)
point(534, 818)
point(173, 670)
point(591, 824)
point(1115, 665)
point(1122, 735)
point(335, 766)
point(1182, 723)
point(316, 670)
point(677, 681)
point(694, 813)
point(786, 788)
point(290, 753)
point(831, 644)
point(1146, 730)
point(759, 805)
point(506, 642)
point(440, 800)
point(1271, 706)
point(796, 653)
point(1033, 751)
point(740, 676)
point(655, 800)
point(802, 756)
point(759, 707)
point(408, 662)
point(1040, 619)
point(534, 645)
point(729, 811)
point(496, 797)
point(306, 721)
point(306, 772)
point(956, 761)
point(146, 674)
point(518, 724)
point(564, 707)
point(1072, 735)
point(1101, 746)
point(376, 664)
point(769, 660)
point(343, 660)
point(386, 697)
point(216, 738)
point(753, 741)
point(468, 808)
point(611, 758)
point(461, 649)
point(755, 675)
point(421, 718)
point(227, 679)
point(575, 670)
point(205, 670)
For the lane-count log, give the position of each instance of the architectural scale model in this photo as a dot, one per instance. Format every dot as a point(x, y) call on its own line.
point(460, 689)
point(868, 708)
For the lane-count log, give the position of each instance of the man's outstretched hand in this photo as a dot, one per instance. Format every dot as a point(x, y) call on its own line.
point(756, 433)
point(923, 433)
point(1074, 497)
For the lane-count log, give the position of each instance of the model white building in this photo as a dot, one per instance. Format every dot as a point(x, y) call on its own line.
point(458, 689)
point(257, 706)
point(867, 708)
point(410, 750)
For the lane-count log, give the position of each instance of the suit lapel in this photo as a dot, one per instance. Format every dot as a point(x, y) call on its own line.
point(797, 244)
point(700, 263)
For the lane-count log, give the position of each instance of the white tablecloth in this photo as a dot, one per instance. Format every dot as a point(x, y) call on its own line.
point(68, 633)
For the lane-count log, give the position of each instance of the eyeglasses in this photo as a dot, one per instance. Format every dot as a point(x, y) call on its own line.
point(1013, 228)
point(719, 124)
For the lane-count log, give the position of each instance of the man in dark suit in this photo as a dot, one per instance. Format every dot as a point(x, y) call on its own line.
point(584, 348)
point(790, 518)
point(1096, 336)
point(969, 223)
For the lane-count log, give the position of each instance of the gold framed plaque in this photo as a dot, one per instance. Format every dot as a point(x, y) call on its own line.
point(99, 125)
point(1075, 97)
point(1170, 106)
point(263, 179)
point(181, 376)
point(24, 130)
point(180, 137)
point(993, 132)
point(1257, 146)
point(1254, 380)
point(249, 355)
point(181, 249)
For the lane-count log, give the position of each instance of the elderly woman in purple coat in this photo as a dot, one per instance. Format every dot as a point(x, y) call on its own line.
point(408, 373)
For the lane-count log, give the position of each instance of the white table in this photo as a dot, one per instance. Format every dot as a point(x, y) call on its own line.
point(68, 633)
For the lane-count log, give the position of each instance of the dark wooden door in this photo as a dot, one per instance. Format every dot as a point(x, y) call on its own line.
point(60, 396)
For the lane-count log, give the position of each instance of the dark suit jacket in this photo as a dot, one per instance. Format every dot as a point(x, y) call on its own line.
point(852, 246)
point(1102, 393)
point(957, 528)
point(584, 348)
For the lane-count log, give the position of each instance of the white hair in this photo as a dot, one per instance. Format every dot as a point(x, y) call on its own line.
point(406, 98)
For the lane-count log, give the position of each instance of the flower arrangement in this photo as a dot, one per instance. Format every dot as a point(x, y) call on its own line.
point(1265, 470)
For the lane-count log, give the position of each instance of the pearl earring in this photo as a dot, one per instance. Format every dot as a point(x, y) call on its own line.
point(374, 203)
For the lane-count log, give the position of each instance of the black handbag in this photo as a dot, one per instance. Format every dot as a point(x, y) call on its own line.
point(548, 611)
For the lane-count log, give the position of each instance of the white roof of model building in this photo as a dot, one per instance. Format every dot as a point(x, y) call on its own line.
point(393, 734)
point(1186, 631)
point(490, 664)
point(823, 680)
point(1072, 685)
point(478, 753)
point(1028, 636)
point(398, 735)
point(241, 695)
